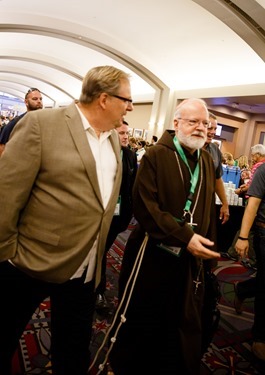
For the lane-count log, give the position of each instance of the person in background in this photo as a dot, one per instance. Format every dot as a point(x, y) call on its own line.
point(2, 123)
point(216, 154)
point(228, 159)
point(132, 144)
point(257, 156)
point(162, 331)
point(33, 101)
point(5, 120)
point(245, 176)
point(141, 150)
point(213, 149)
point(242, 162)
point(154, 140)
point(254, 220)
point(247, 288)
point(257, 159)
point(60, 181)
point(123, 214)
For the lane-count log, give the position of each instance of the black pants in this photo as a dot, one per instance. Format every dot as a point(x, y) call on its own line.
point(72, 308)
point(246, 288)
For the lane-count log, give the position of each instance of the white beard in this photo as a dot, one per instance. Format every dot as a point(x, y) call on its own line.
point(190, 141)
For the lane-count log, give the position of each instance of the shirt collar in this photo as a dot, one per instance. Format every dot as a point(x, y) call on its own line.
point(86, 124)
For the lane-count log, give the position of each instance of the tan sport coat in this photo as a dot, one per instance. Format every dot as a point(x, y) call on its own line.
point(51, 209)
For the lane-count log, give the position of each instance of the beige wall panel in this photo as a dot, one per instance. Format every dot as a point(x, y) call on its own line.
point(139, 118)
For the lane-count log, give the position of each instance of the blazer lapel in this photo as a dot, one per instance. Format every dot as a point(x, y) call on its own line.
point(114, 139)
point(77, 131)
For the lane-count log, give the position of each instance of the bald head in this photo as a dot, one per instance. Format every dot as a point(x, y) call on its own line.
point(188, 105)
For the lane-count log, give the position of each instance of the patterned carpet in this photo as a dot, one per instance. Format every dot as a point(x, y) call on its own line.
point(230, 352)
point(32, 356)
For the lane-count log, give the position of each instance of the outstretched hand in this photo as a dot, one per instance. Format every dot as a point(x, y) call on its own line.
point(198, 246)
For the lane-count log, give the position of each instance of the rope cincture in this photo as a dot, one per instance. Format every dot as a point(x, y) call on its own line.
point(134, 275)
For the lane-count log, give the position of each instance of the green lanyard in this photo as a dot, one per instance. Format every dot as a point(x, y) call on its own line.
point(194, 176)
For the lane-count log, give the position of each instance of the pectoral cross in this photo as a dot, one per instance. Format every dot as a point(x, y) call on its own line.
point(191, 223)
point(197, 283)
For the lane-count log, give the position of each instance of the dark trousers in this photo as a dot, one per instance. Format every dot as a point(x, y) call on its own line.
point(72, 308)
point(259, 304)
point(246, 288)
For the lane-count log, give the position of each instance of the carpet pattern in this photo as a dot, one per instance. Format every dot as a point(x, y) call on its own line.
point(32, 356)
point(229, 353)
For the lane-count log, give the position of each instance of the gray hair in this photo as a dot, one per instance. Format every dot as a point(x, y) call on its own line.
point(211, 115)
point(258, 149)
point(101, 79)
point(187, 103)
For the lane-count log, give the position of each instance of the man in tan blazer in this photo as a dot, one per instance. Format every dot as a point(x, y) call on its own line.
point(59, 186)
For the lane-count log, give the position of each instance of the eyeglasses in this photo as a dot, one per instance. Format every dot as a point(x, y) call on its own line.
point(126, 100)
point(195, 123)
point(30, 90)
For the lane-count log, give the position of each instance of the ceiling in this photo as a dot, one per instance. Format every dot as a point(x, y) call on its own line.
point(251, 104)
point(209, 49)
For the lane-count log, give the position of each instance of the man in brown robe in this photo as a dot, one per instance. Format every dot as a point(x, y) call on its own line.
point(174, 203)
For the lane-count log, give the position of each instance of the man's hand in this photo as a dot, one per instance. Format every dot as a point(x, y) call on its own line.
point(196, 247)
point(224, 213)
point(242, 247)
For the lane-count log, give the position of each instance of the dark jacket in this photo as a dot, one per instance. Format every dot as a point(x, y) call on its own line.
point(5, 133)
point(129, 169)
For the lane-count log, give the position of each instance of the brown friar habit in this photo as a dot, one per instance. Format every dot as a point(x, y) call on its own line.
point(162, 332)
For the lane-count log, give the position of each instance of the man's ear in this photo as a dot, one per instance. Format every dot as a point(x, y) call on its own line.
point(103, 97)
point(176, 122)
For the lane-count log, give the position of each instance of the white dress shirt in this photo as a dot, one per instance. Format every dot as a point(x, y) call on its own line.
point(106, 165)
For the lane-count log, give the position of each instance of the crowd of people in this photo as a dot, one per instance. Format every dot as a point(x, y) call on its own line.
point(78, 180)
point(4, 120)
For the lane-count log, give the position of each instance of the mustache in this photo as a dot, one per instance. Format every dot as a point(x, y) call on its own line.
point(199, 133)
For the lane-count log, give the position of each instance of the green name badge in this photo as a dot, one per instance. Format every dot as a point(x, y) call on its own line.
point(175, 250)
